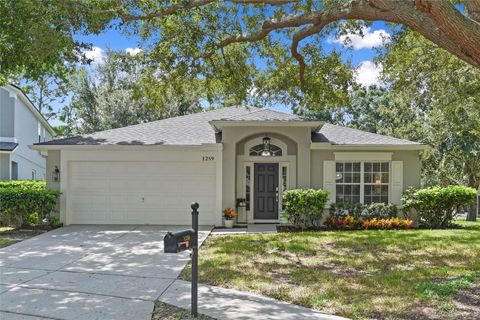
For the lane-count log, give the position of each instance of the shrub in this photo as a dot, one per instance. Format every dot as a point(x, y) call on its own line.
point(19, 205)
point(364, 211)
point(22, 184)
point(437, 206)
point(55, 223)
point(304, 207)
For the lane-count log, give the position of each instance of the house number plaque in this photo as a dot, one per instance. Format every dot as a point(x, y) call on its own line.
point(208, 158)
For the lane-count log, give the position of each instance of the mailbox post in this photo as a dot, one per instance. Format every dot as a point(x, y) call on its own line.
point(194, 207)
point(175, 242)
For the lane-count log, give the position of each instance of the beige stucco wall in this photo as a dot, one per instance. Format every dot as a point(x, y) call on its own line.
point(305, 171)
point(53, 159)
point(411, 165)
point(234, 138)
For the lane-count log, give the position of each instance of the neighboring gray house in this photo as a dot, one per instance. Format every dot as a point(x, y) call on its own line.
point(150, 173)
point(21, 124)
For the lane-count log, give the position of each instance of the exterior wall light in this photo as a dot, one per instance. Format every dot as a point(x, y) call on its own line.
point(56, 174)
point(266, 147)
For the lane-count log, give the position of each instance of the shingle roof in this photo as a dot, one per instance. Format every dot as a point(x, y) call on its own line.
point(347, 136)
point(192, 129)
point(195, 129)
point(8, 146)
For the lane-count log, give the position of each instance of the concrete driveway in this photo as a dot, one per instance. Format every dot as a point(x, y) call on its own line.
point(88, 272)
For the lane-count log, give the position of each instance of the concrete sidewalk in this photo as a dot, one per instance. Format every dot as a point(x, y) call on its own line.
point(221, 303)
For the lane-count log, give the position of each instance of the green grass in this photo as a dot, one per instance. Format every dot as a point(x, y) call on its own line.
point(4, 241)
point(361, 274)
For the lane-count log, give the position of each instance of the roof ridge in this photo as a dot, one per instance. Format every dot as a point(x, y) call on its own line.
point(265, 109)
point(259, 109)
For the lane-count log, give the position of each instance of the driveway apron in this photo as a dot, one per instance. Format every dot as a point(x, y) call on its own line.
point(88, 272)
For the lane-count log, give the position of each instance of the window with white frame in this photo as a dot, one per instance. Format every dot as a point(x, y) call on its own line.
point(348, 181)
point(362, 182)
point(39, 131)
point(376, 182)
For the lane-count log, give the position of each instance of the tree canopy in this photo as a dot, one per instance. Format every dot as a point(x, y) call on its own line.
point(121, 91)
point(262, 52)
point(217, 40)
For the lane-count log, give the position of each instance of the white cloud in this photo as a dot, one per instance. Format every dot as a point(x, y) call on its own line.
point(368, 73)
point(369, 40)
point(133, 51)
point(96, 54)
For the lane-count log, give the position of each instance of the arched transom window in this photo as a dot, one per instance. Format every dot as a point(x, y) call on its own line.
point(257, 150)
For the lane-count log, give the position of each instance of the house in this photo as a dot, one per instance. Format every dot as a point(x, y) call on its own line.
point(21, 124)
point(150, 173)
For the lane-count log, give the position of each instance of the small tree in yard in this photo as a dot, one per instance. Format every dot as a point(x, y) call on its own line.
point(437, 206)
point(304, 207)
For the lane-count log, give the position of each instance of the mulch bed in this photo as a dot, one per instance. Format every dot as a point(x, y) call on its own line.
point(290, 228)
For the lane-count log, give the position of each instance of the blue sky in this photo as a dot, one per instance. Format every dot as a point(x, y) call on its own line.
point(360, 54)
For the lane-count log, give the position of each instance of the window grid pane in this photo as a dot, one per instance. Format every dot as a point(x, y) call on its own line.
point(347, 177)
point(376, 182)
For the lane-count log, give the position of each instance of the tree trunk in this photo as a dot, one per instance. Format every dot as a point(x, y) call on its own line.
point(472, 213)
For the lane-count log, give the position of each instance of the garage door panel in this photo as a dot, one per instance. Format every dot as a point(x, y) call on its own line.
point(92, 217)
point(141, 192)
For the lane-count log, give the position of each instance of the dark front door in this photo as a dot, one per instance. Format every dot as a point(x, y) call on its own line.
point(266, 191)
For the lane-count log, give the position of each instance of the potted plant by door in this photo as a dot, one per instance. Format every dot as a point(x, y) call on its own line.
point(229, 214)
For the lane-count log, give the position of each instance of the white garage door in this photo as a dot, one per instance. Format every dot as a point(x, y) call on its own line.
point(140, 192)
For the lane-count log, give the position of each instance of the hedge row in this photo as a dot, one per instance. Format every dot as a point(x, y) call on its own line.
point(20, 206)
point(436, 207)
point(22, 184)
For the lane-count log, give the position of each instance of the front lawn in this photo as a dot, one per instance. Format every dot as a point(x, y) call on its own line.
point(9, 236)
point(407, 274)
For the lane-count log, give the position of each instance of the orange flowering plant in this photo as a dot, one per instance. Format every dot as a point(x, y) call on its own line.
point(229, 213)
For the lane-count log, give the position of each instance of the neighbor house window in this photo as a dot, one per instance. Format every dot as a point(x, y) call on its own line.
point(376, 180)
point(39, 132)
point(34, 174)
point(347, 175)
point(362, 182)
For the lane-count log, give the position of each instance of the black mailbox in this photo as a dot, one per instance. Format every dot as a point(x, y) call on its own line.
point(174, 242)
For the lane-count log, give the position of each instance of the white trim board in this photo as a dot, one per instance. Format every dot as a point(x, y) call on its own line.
point(363, 156)
point(348, 147)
